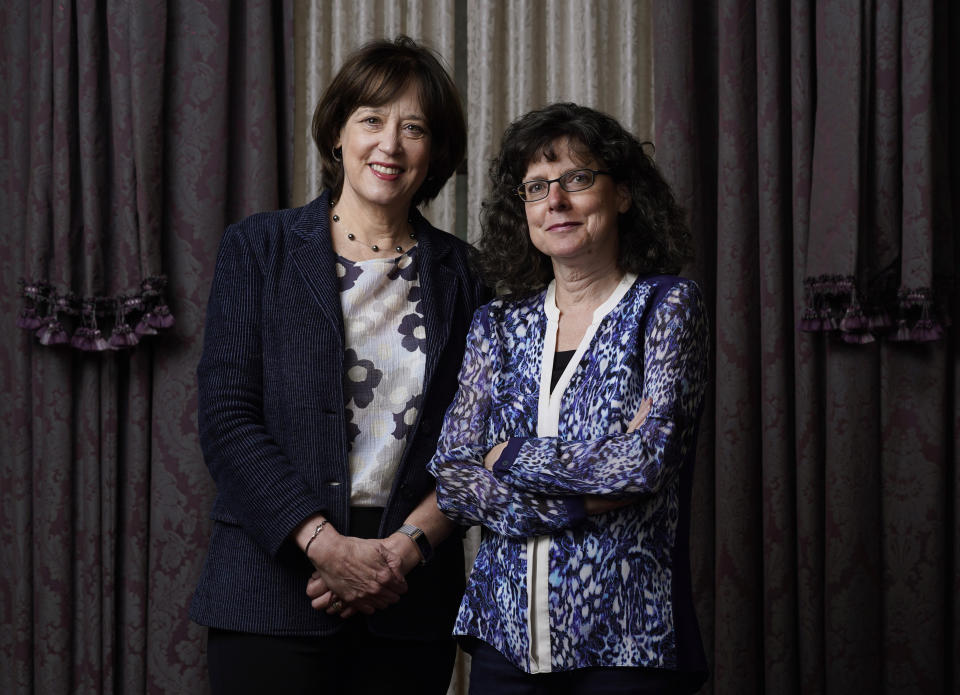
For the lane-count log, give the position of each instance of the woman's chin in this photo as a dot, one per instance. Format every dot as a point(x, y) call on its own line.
point(384, 195)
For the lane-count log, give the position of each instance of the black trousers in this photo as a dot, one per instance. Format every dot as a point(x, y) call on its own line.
point(351, 661)
point(492, 674)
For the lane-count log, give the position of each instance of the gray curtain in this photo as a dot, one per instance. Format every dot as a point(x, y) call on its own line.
point(130, 135)
point(815, 142)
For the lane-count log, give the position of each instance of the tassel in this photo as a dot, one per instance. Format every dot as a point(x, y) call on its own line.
point(144, 328)
point(903, 332)
point(161, 317)
point(809, 321)
point(879, 321)
point(853, 320)
point(83, 338)
point(28, 319)
point(53, 333)
point(89, 340)
point(123, 337)
point(827, 321)
point(858, 338)
point(925, 331)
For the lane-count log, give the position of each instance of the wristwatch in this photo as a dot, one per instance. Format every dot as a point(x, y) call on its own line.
point(420, 538)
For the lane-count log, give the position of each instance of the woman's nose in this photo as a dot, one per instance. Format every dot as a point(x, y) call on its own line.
point(390, 141)
point(557, 197)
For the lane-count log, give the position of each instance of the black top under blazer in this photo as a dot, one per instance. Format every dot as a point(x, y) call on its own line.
point(273, 430)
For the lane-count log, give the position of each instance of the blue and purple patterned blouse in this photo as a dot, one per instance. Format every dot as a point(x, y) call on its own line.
point(552, 588)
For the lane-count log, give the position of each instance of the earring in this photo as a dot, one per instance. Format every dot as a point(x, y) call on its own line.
point(337, 153)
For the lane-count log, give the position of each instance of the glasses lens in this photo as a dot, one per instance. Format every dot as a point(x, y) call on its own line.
point(534, 190)
point(577, 180)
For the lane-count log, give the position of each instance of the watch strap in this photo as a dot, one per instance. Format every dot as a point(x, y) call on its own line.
point(420, 538)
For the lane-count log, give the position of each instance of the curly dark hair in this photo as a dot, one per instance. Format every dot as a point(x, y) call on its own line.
point(653, 233)
point(374, 75)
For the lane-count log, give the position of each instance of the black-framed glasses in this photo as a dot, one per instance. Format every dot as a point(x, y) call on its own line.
point(570, 181)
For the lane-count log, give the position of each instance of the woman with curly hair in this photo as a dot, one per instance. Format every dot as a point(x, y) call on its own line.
point(572, 436)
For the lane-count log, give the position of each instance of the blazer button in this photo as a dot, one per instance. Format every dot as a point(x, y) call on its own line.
point(333, 483)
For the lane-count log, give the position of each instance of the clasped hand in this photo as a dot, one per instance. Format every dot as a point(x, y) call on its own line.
point(355, 575)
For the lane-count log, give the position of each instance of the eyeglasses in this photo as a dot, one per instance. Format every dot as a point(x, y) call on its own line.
point(570, 181)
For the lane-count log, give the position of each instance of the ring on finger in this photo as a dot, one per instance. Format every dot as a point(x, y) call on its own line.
point(336, 606)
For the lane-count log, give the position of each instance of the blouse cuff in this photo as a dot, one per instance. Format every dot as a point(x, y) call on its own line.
point(576, 509)
point(508, 456)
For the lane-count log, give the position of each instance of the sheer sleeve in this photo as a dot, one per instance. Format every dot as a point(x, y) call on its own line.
point(675, 357)
point(466, 491)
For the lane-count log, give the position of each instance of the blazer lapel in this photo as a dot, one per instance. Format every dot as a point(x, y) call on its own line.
point(312, 254)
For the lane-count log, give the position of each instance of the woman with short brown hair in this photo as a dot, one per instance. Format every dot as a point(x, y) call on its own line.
point(334, 333)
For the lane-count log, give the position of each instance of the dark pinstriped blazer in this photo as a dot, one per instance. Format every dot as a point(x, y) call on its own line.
point(273, 431)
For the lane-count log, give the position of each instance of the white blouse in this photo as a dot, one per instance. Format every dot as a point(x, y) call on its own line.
point(384, 362)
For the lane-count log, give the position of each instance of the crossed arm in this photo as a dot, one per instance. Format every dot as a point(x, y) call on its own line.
point(521, 485)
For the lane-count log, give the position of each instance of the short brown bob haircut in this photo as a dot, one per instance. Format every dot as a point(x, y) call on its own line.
point(374, 75)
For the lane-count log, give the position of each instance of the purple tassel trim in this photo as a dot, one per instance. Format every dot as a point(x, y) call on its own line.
point(879, 322)
point(858, 338)
point(161, 317)
point(89, 340)
point(53, 333)
point(853, 321)
point(62, 318)
point(28, 319)
point(123, 337)
point(903, 332)
point(144, 328)
point(926, 330)
point(832, 303)
point(810, 321)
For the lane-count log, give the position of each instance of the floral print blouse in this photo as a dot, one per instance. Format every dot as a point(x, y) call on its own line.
point(384, 364)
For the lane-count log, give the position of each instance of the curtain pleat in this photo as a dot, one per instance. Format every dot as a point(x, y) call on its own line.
point(775, 262)
point(834, 194)
point(18, 432)
point(871, 270)
point(834, 493)
point(520, 55)
point(523, 54)
point(130, 135)
point(739, 435)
